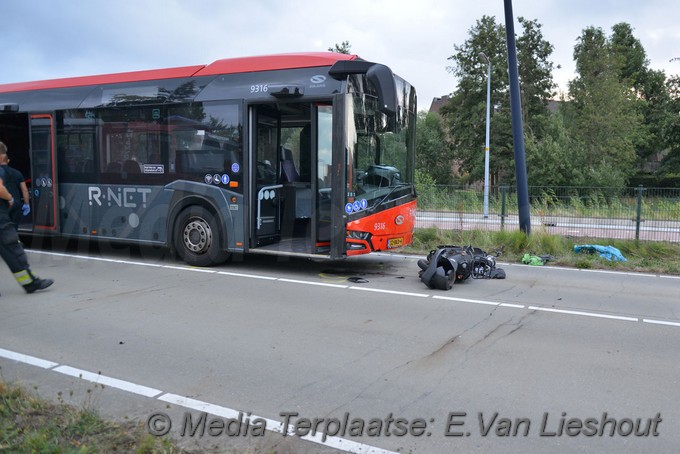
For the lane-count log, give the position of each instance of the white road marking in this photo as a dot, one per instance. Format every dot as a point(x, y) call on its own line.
point(188, 268)
point(624, 273)
point(272, 425)
point(394, 292)
point(587, 314)
point(322, 284)
point(213, 409)
point(660, 322)
point(250, 276)
point(108, 381)
point(193, 404)
point(26, 359)
point(465, 300)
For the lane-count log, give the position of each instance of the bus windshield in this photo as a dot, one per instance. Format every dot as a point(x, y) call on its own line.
point(380, 159)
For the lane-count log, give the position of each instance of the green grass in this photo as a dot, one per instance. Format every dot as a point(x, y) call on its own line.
point(644, 256)
point(29, 424)
point(569, 202)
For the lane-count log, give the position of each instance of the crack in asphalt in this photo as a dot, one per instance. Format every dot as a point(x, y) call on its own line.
point(439, 351)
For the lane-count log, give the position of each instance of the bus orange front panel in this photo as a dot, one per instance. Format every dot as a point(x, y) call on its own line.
point(388, 229)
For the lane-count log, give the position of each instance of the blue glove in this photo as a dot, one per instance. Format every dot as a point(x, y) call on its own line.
point(25, 208)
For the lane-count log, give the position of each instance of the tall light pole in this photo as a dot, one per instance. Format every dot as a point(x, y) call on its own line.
point(485, 59)
point(523, 207)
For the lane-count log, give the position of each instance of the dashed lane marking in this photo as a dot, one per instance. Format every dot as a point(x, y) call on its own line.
point(339, 443)
point(593, 314)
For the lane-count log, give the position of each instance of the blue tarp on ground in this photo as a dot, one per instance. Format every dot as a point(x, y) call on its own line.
point(608, 252)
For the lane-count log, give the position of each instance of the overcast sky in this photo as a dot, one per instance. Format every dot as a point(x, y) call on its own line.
point(45, 39)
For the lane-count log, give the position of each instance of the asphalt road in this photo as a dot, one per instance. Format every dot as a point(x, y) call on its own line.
point(547, 360)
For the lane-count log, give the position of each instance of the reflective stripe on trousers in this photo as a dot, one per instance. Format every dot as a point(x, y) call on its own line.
point(24, 277)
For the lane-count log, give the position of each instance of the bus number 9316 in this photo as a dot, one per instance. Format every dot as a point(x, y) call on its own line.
point(259, 88)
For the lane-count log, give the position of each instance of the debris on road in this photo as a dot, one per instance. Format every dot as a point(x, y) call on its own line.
point(607, 252)
point(536, 260)
point(449, 264)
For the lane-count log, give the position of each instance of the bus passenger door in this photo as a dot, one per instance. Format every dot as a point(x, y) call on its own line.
point(267, 189)
point(335, 118)
point(43, 187)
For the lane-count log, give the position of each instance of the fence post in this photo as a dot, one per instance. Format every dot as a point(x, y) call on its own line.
point(638, 217)
point(504, 212)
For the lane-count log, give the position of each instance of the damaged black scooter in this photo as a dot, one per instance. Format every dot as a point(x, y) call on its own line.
point(449, 264)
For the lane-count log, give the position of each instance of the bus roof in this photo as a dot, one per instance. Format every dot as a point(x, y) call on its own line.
point(224, 66)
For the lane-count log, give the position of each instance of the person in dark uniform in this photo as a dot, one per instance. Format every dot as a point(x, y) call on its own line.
point(16, 184)
point(11, 250)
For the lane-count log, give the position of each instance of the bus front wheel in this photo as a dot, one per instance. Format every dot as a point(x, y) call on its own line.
point(197, 238)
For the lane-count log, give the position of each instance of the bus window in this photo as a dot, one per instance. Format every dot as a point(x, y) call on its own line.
point(204, 139)
point(267, 155)
point(131, 137)
point(76, 142)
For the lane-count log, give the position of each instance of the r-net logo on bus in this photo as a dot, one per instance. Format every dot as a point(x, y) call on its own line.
point(120, 197)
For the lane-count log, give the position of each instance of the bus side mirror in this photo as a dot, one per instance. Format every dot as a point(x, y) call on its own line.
point(381, 76)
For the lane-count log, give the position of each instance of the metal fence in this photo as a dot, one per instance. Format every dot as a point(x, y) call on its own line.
point(630, 213)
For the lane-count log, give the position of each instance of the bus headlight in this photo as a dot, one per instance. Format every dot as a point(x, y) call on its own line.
point(355, 234)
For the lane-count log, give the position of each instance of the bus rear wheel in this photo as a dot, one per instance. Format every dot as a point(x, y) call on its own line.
point(197, 238)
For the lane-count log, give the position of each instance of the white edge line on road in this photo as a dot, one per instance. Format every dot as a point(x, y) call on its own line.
point(487, 303)
point(585, 270)
point(404, 256)
point(322, 284)
point(660, 322)
point(188, 268)
point(217, 410)
point(108, 381)
point(587, 314)
point(193, 404)
point(624, 273)
point(393, 292)
point(465, 300)
point(26, 359)
point(252, 276)
point(271, 424)
point(152, 265)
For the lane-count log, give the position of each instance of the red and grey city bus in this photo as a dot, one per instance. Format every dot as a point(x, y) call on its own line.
point(308, 154)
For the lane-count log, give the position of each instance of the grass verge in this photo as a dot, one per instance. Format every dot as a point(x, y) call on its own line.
point(30, 424)
point(644, 256)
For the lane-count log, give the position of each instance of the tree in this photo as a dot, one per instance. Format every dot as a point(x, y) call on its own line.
point(538, 87)
point(344, 48)
point(629, 53)
point(465, 114)
point(648, 85)
point(555, 159)
point(433, 150)
point(619, 111)
point(603, 116)
point(671, 129)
